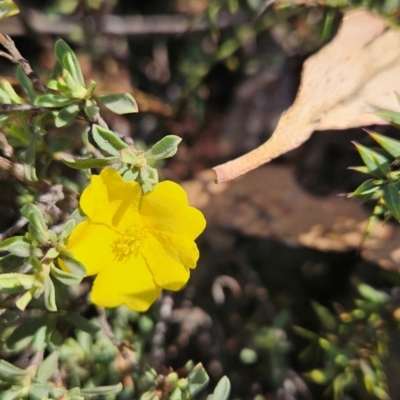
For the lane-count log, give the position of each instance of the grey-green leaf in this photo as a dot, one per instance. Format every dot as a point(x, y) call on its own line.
point(198, 380)
point(67, 278)
point(53, 100)
point(47, 367)
point(26, 84)
point(119, 103)
point(37, 226)
point(67, 115)
point(20, 246)
point(391, 196)
point(67, 58)
point(73, 265)
point(49, 294)
point(90, 162)
point(392, 146)
point(102, 390)
point(11, 262)
point(377, 164)
point(223, 389)
point(108, 140)
point(166, 147)
point(82, 323)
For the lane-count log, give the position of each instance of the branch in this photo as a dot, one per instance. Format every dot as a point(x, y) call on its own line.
point(16, 57)
point(116, 25)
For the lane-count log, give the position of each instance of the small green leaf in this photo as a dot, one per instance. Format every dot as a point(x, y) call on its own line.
point(108, 140)
point(223, 389)
point(366, 190)
point(47, 367)
point(67, 115)
point(392, 117)
point(131, 174)
point(119, 103)
point(166, 147)
point(25, 299)
point(53, 100)
point(74, 89)
point(7, 9)
point(371, 294)
point(14, 393)
point(198, 380)
point(67, 278)
point(91, 111)
point(391, 196)
point(68, 227)
point(11, 262)
point(73, 265)
point(90, 162)
point(67, 58)
point(148, 178)
point(30, 160)
point(11, 93)
point(25, 331)
point(392, 146)
point(20, 246)
point(49, 294)
point(102, 390)
point(8, 370)
point(37, 226)
point(377, 164)
point(26, 84)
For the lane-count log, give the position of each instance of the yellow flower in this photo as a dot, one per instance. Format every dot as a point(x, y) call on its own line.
point(136, 244)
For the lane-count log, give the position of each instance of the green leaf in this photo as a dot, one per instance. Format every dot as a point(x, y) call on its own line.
point(391, 196)
point(53, 100)
point(8, 9)
point(119, 103)
point(223, 389)
point(67, 115)
point(81, 323)
point(20, 246)
point(90, 162)
point(11, 93)
point(47, 367)
point(60, 143)
point(377, 164)
point(67, 278)
point(11, 262)
point(371, 294)
point(148, 178)
point(91, 111)
point(392, 117)
point(166, 147)
point(30, 160)
point(74, 89)
point(14, 393)
point(37, 226)
point(26, 84)
point(73, 265)
point(102, 390)
point(8, 371)
point(39, 391)
point(49, 294)
point(68, 227)
point(67, 58)
point(25, 331)
point(198, 380)
point(108, 140)
point(366, 190)
point(392, 146)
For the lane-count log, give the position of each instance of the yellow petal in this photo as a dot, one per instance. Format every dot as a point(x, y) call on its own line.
point(130, 284)
point(166, 209)
point(168, 273)
point(110, 200)
point(180, 247)
point(91, 244)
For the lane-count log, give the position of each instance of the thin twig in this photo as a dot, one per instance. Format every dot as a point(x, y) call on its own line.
point(12, 230)
point(10, 108)
point(17, 58)
point(127, 25)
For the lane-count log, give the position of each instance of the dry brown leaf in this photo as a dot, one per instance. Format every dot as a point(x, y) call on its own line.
point(268, 202)
point(341, 87)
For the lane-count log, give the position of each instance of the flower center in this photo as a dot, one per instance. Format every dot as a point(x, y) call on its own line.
point(128, 242)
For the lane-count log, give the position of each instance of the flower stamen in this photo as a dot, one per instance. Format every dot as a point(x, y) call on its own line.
point(128, 242)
